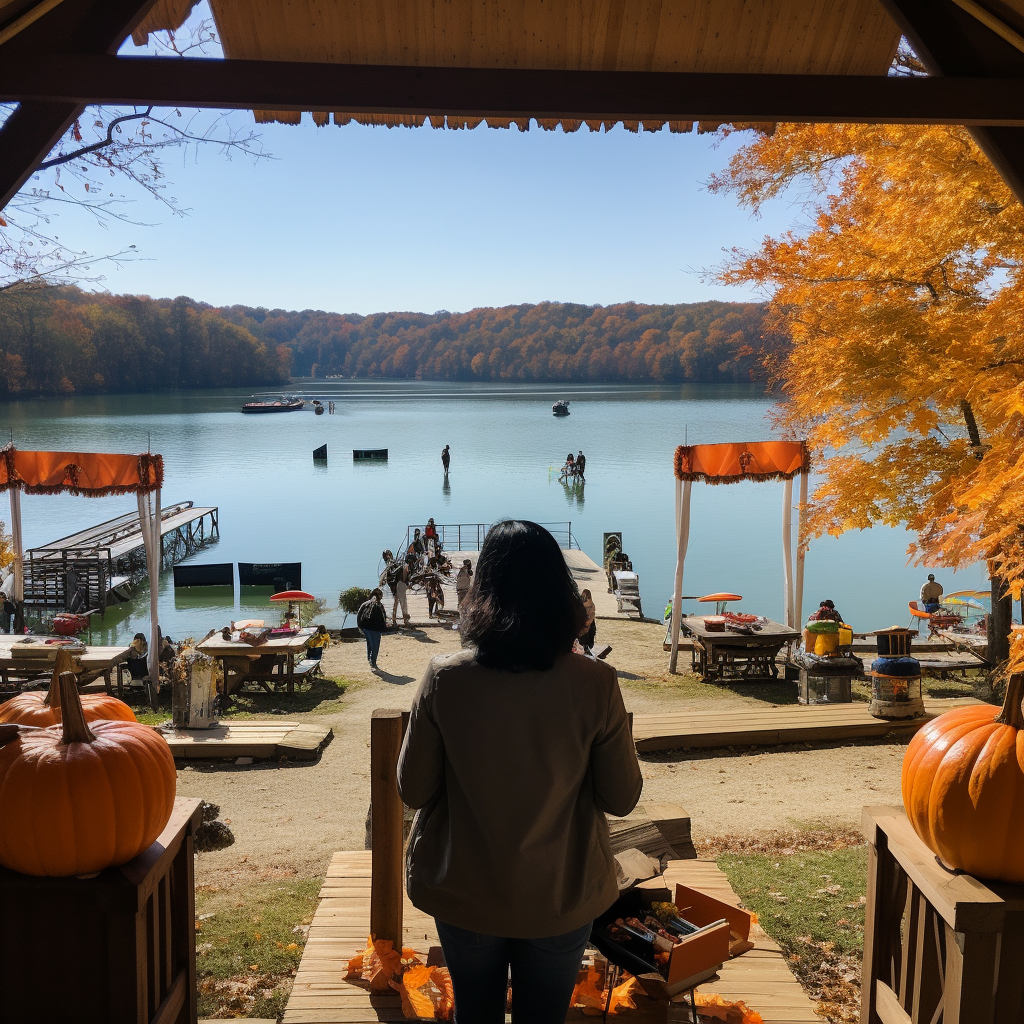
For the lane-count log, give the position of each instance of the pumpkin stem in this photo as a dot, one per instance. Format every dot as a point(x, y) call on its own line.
point(63, 663)
point(1012, 713)
point(75, 729)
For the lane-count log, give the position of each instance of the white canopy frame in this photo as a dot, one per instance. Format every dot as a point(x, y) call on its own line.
point(792, 583)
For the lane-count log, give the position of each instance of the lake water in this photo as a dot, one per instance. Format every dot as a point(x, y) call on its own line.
point(276, 505)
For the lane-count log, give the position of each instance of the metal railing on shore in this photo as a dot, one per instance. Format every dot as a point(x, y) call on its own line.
point(470, 536)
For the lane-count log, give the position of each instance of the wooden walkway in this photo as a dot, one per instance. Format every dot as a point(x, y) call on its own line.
point(739, 726)
point(302, 741)
point(321, 995)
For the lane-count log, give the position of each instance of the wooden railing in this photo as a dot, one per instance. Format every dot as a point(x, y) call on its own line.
point(938, 946)
point(387, 730)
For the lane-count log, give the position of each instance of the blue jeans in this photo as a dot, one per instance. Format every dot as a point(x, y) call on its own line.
point(372, 645)
point(544, 973)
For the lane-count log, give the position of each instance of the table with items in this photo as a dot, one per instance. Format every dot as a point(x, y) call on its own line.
point(268, 661)
point(742, 650)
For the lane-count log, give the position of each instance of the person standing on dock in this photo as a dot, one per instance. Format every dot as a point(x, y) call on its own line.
point(931, 594)
point(396, 575)
point(463, 581)
point(446, 458)
point(372, 620)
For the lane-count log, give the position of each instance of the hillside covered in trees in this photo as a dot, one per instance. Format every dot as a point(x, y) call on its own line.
point(62, 340)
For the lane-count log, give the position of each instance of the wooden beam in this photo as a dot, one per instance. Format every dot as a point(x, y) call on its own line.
point(27, 136)
point(30, 132)
point(494, 92)
point(950, 41)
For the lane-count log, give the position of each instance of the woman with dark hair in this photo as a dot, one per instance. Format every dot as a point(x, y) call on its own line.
point(515, 749)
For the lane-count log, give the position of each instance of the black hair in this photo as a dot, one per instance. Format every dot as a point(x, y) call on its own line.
point(524, 608)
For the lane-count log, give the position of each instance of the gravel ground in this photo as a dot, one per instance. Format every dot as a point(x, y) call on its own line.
point(289, 817)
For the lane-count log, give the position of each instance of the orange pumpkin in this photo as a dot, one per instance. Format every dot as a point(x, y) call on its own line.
point(963, 787)
point(75, 799)
point(44, 709)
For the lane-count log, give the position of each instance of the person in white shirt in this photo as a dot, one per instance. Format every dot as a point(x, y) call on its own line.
point(7, 605)
point(931, 594)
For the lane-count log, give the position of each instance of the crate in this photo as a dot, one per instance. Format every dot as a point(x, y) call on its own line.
point(117, 948)
point(937, 945)
point(825, 687)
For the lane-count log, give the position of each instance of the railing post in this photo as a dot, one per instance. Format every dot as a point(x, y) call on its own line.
point(386, 827)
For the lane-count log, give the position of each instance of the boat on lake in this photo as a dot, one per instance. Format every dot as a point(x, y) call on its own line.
point(278, 405)
point(560, 408)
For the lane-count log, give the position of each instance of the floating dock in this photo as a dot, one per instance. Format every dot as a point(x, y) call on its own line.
point(112, 554)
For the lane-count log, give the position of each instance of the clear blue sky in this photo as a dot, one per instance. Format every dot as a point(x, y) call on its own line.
point(360, 219)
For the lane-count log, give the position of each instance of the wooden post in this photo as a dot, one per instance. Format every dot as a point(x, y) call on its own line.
point(999, 621)
point(386, 827)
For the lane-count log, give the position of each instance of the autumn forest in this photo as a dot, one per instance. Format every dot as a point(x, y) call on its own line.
point(61, 340)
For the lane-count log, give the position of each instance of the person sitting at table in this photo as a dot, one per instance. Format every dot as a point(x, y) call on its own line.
point(138, 657)
point(826, 613)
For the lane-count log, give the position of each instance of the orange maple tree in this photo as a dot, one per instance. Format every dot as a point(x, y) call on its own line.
point(901, 293)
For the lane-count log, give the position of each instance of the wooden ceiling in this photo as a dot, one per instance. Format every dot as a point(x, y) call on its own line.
point(834, 37)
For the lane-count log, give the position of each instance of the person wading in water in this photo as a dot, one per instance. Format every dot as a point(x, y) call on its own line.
point(446, 458)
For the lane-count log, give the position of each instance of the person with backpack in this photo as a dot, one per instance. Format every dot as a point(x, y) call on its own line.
point(372, 620)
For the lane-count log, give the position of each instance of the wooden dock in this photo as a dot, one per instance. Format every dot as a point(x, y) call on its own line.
point(301, 741)
point(112, 551)
point(746, 726)
point(321, 995)
point(587, 573)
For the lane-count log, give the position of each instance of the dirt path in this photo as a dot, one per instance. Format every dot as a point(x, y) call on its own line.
point(289, 817)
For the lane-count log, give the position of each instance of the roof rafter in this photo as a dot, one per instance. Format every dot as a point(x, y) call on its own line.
point(30, 132)
point(951, 41)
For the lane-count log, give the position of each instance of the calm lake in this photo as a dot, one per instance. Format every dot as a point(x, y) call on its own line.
point(276, 505)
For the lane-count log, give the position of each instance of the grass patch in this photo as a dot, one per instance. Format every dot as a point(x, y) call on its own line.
point(682, 685)
point(811, 902)
point(324, 697)
point(248, 944)
point(931, 687)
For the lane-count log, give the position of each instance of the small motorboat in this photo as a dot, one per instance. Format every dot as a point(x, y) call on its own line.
point(120, 589)
point(280, 405)
point(560, 409)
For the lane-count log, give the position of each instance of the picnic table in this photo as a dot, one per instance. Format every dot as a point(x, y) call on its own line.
point(730, 655)
point(96, 661)
point(270, 665)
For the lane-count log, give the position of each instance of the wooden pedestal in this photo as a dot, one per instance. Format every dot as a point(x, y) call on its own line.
point(115, 949)
point(936, 945)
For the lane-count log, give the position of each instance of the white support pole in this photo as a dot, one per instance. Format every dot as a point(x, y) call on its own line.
point(19, 546)
point(787, 551)
point(683, 539)
point(801, 552)
point(149, 521)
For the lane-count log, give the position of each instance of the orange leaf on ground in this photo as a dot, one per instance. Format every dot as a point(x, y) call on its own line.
point(717, 1008)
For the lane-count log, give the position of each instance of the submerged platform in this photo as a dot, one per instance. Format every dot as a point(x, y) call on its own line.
point(776, 725)
point(302, 741)
point(321, 995)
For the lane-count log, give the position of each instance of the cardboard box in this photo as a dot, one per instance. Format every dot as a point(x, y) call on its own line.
point(702, 909)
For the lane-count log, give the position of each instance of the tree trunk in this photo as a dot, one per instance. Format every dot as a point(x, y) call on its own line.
point(999, 621)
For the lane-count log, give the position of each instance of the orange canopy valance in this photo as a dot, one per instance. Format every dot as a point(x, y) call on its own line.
point(88, 473)
point(730, 463)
